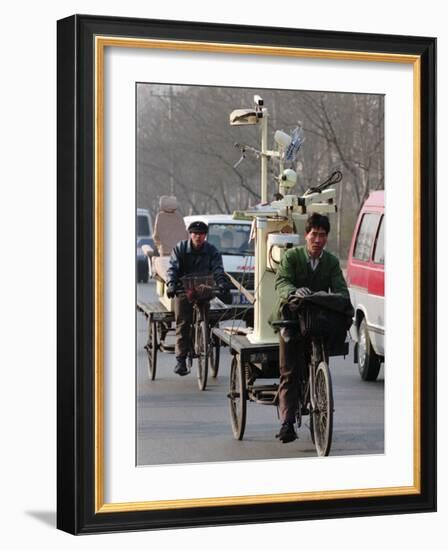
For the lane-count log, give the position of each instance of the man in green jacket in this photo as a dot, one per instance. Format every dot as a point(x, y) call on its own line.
point(302, 271)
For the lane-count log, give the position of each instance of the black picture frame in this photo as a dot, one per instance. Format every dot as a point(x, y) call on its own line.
point(79, 504)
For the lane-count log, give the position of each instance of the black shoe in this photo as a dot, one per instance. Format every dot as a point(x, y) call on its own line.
point(181, 368)
point(287, 432)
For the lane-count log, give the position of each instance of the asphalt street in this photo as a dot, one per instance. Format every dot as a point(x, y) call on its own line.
point(177, 423)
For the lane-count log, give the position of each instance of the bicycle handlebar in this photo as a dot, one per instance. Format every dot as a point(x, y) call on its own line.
point(285, 323)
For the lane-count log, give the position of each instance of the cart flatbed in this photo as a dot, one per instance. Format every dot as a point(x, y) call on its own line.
point(240, 344)
point(261, 357)
point(156, 311)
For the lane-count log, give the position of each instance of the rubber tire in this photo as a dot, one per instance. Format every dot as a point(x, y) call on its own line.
point(322, 416)
point(142, 272)
point(369, 363)
point(237, 398)
point(151, 349)
point(215, 348)
point(313, 439)
point(202, 342)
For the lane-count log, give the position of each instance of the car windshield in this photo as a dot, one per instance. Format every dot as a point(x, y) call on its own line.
point(231, 238)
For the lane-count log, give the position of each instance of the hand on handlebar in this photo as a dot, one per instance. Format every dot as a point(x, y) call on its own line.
point(301, 292)
point(171, 290)
point(295, 298)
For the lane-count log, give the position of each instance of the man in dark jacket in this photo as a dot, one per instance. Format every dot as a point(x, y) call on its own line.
point(303, 270)
point(192, 256)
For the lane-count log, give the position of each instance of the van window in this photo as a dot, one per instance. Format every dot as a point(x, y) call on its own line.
point(378, 256)
point(366, 235)
point(142, 225)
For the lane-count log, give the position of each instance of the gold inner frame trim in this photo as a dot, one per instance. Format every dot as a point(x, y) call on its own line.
point(101, 42)
point(251, 49)
point(255, 499)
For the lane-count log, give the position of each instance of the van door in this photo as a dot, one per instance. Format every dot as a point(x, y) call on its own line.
point(366, 275)
point(376, 290)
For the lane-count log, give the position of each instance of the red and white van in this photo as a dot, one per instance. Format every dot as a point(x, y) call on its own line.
point(365, 278)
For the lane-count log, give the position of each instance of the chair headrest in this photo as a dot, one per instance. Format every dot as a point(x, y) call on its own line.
point(168, 203)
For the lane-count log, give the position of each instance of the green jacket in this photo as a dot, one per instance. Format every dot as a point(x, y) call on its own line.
point(295, 272)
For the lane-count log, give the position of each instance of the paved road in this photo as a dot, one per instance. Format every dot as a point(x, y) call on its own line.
point(177, 423)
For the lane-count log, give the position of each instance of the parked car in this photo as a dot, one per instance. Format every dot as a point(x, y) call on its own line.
point(365, 278)
point(144, 236)
point(231, 238)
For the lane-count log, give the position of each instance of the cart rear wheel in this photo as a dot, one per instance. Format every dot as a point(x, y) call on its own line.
point(151, 349)
point(237, 397)
point(202, 352)
point(321, 422)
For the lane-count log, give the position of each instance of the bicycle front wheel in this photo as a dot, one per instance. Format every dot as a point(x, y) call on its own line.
point(202, 353)
point(151, 349)
point(237, 397)
point(322, 415)
point(214, 356)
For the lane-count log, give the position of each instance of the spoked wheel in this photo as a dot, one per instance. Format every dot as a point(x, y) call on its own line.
point(214, 356)
point(321, 422)
point(237, 397)
point(151, 349)
point(202, 353)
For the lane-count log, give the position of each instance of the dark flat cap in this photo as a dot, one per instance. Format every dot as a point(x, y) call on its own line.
point(198, 227)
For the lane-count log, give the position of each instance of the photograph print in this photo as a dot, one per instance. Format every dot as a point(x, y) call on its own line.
point(259, 274)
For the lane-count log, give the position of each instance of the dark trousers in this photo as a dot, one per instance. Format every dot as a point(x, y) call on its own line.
point(292, 371)
point(183, 313)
